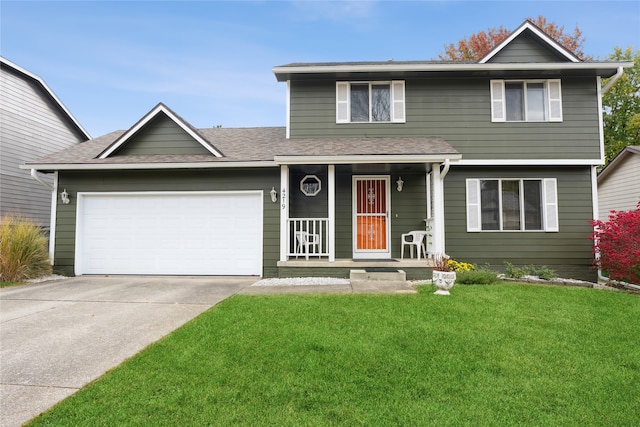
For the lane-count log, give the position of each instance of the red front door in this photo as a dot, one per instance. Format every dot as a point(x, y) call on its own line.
point(371, 217)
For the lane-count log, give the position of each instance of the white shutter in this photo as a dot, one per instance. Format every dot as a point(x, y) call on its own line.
point(554, 95)
point(549, 188)
point(342, 102)
point(473, 205)
point(498, 104)
point(398, 105)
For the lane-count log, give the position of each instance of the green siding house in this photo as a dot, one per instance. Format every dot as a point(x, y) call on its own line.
point(490, 161)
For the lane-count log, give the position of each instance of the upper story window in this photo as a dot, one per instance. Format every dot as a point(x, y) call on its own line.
point(526, 101)
point(370, 102)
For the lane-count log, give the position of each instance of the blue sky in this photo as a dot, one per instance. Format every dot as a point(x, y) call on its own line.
point(210, 61)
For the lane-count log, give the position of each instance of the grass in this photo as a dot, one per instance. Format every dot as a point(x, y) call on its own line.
point(506, 354)
point(7, 284)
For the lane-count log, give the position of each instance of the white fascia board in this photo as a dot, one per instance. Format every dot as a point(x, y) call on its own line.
point(142, 123)
point(440, 67)
point(363, 159)
point(531, 162)
point(50, 92)
point(529, 26)
point(143, 166)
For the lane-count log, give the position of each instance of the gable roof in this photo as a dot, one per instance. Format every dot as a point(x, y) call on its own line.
point(528, 26)
point(629, 150)
point(254, 147)
point(27, 75)
point(404, 69)
point(127, 136)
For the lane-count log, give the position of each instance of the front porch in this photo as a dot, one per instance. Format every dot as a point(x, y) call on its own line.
point(415, 269)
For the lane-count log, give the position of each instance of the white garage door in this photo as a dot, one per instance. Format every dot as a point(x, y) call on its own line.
point(173, 233)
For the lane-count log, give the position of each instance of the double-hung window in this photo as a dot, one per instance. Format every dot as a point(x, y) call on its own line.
point(370, 102)
point(526, 101)
point(512, 204)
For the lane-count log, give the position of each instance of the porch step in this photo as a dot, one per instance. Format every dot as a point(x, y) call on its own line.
point(377, 274)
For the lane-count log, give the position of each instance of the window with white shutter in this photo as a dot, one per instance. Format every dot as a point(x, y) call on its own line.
point(473, 205)
point(555, 100)
point(370, 102)
point(526, 101)
point(397, 95)
point(512, 204)
point(550, 190)
point(342, 102)
point(498, 113)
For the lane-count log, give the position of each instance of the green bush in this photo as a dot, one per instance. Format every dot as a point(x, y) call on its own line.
point(511, 270)
point(482, 276)
point(542, 272)
point(23, 250)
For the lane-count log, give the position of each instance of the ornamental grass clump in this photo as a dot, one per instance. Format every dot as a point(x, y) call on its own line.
point(23, 250)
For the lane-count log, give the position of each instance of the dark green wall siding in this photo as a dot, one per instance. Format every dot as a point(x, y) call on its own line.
point(167, 180)
point(408, 208)
point(568, 251)
point(459, 111)
point(161, 136)
point(525, 48)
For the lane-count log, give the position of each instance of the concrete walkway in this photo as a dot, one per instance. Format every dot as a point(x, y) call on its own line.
point(55, 337)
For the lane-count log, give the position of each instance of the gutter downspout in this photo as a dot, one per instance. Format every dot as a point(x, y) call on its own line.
point(604, 90)
point(445, 171)
point(34, 175)
point(613, 81)
point(54, 205)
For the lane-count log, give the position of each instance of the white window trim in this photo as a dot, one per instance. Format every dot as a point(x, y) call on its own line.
point(397, 101)
point(499, 101)
point(549, 187)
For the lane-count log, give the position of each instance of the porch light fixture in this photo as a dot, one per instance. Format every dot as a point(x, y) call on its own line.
point(400, 183)
point(274, 194)
point(65, 197)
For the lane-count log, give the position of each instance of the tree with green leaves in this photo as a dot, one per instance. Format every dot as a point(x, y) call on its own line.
point(621, 106)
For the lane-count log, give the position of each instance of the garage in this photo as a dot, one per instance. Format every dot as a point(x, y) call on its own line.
point(169, 233)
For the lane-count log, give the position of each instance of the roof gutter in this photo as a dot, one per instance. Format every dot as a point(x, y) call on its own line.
point(613, 80)
point(34, 175)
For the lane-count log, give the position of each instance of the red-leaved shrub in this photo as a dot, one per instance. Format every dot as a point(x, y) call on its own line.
point(616, 243)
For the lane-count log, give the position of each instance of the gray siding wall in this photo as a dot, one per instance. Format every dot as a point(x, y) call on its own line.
point(459, 110)
point(161, 136)
point(31, 127)
point(174, 180)
point(620, 190)
point(567, 251)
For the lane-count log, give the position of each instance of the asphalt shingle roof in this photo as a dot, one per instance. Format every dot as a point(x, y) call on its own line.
point(255, 145)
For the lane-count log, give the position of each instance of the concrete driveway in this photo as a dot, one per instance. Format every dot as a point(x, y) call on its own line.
point(55, 337)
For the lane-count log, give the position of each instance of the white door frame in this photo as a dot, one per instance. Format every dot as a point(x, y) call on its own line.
point(375, 253)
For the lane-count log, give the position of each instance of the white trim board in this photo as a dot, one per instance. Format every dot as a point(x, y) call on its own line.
point(531, 162)
point(160, 108)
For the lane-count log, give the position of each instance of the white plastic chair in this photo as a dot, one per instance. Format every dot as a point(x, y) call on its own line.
point(306, 242)
point(414, 238)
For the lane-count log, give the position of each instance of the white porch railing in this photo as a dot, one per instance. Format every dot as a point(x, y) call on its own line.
point(308, 237)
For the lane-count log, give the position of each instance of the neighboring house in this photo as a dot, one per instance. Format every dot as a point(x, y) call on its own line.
point(619, 183)
point(33, 123)
point(496, 158)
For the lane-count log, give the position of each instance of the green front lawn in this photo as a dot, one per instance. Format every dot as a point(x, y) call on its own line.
point(506, 354)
